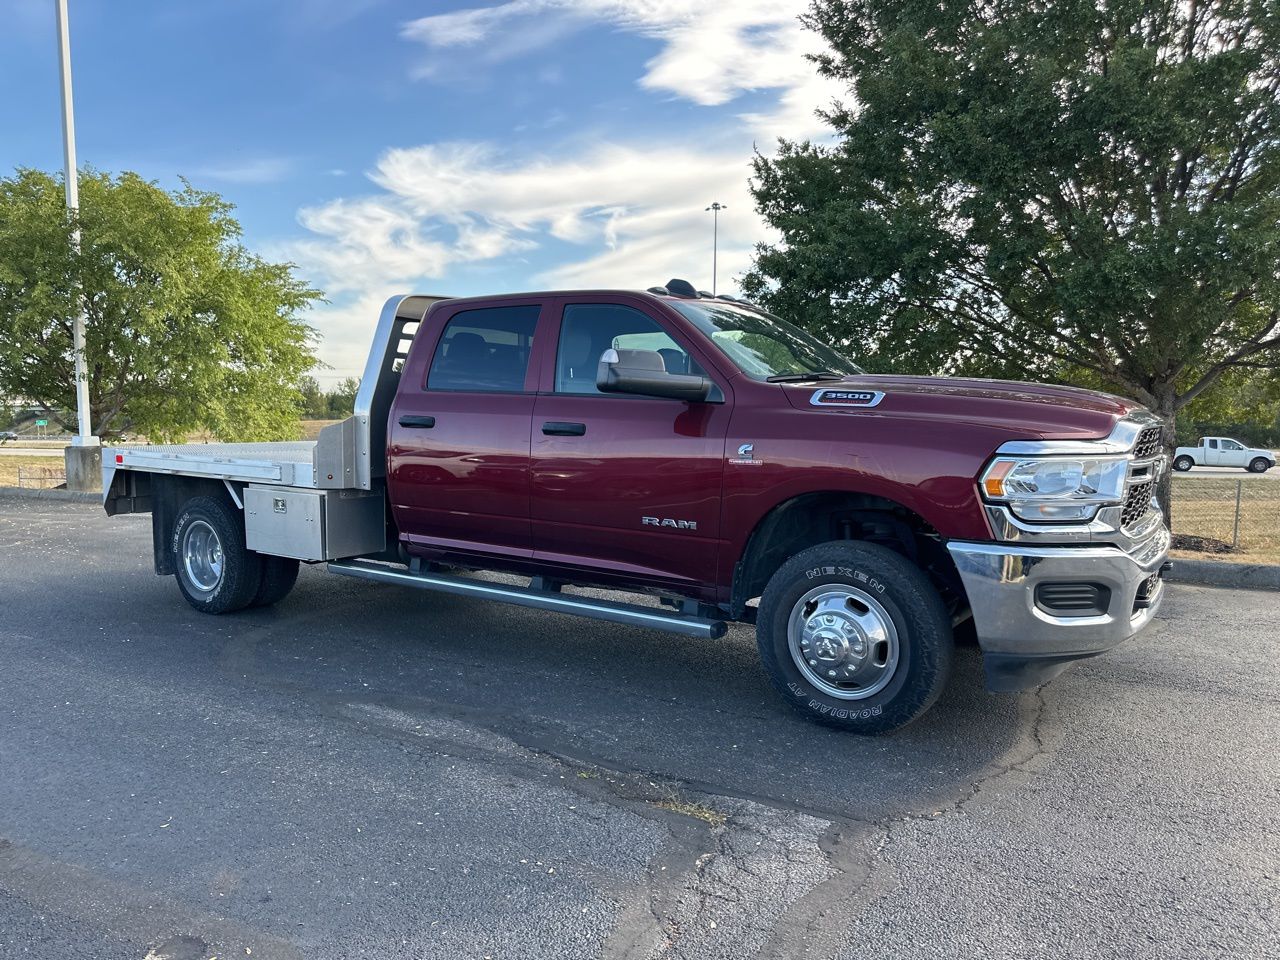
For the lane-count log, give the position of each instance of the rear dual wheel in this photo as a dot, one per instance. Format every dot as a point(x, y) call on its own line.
point(216, 572)
point(855, 636)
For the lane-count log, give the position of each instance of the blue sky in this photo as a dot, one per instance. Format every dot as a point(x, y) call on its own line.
point(464, 148)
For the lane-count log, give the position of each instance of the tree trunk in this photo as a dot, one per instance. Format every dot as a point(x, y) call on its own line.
point(1166, 411)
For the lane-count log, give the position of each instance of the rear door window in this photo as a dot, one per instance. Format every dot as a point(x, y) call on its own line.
point(485, 351)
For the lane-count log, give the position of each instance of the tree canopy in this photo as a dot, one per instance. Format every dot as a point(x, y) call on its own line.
point(185, 328)
point(1064, 190)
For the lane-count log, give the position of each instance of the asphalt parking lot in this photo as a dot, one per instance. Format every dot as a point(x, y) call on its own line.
point(367, 771)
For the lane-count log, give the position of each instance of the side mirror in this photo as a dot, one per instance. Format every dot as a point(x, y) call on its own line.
point(643, 372)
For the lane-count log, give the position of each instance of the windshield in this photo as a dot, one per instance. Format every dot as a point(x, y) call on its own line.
point(762, 346)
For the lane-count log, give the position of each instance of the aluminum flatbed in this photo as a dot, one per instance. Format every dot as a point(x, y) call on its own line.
point(286, 464)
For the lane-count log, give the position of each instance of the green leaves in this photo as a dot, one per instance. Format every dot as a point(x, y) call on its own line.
point(1039, 189)
point(185, 329)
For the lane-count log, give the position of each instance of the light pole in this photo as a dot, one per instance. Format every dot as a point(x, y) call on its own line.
point(715, 209)
point(84, 438)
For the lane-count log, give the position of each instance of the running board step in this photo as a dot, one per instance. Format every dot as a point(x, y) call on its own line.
point(628, 613)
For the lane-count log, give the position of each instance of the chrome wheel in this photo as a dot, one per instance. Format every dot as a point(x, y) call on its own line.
point(202, 558)
point(844, 641)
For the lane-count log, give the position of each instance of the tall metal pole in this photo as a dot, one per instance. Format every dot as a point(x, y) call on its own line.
point(84, 437)
point(715, 209)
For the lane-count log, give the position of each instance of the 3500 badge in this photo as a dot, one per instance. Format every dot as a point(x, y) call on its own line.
point(846, 398)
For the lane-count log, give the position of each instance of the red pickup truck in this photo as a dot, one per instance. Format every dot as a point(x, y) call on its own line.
point(703, 451)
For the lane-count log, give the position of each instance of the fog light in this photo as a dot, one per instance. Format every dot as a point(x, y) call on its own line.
point(1073, 599)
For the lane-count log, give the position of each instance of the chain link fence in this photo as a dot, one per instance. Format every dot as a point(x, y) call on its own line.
point(1240, 518)
point(41, 477)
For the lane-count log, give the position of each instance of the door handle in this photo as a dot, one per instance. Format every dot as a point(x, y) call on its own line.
point(560, 428)
point(409, 420)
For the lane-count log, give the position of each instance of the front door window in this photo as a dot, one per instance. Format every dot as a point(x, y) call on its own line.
point(589, 329)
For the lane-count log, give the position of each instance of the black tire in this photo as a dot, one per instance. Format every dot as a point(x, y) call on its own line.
point(903, 592)
point(1183, 463)
point(233, 578)
point(1259, 465)
point(279, 574)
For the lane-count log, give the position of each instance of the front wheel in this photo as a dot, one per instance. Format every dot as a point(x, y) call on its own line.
point(1183, 463)
point(855, 636)
point(1259, 465)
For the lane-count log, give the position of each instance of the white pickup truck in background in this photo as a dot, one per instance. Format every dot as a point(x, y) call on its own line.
point(1223, 452)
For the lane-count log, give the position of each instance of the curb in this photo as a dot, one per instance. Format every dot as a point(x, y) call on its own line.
point(39, 493)
point(1241, 576)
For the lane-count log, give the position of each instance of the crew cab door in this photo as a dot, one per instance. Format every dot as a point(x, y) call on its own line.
point(1232, 453)
point(626, 484)
point(458, 437)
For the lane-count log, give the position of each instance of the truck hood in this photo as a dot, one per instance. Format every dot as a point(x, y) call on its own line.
point(1032, 411)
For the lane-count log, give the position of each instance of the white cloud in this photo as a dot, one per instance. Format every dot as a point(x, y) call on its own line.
point(348, 326)
point(450, 204)
point(713, 50)
point(629, 212)
point(256, 170)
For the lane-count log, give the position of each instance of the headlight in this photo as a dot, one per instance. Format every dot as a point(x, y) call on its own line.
point(1055, 488)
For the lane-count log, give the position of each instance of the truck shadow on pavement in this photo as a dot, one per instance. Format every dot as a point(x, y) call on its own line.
point(698, 712)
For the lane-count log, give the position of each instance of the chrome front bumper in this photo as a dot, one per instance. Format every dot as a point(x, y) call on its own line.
point(1022, 643)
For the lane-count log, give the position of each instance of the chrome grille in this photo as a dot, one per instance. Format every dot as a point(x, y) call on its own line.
point(1148, 444)
point(1137, 503)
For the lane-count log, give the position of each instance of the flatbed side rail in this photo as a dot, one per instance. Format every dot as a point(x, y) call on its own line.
point(229, 468)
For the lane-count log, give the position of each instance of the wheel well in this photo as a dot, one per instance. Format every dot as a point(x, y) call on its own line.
point(168, 494)
point(813, 518)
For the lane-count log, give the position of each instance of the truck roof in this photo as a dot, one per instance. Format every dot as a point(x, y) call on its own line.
point(583, 292)
point(674, 289)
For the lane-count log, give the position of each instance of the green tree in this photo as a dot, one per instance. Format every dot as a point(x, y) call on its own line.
point(1039, 190)
point(315, 405)
point(342, 398)
point(185, 328)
